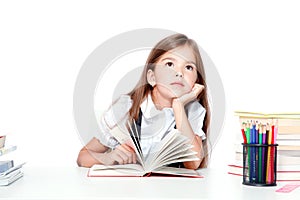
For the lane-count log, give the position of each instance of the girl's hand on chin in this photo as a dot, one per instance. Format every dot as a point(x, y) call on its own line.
point(192, 95)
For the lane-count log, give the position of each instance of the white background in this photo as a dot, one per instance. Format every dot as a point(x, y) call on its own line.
point(254, 45)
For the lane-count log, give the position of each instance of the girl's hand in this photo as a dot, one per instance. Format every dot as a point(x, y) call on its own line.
point(192, 95)
point(122, 154)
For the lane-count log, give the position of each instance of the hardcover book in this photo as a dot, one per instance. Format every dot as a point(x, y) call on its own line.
point(173, 148)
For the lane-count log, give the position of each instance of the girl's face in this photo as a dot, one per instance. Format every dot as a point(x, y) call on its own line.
point(175, 72)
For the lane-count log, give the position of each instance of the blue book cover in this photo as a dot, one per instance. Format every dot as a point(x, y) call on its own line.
point(6, 165)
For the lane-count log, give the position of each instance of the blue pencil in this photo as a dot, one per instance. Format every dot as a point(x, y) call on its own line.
point(253, 154)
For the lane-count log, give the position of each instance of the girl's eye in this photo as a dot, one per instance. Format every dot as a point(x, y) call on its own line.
point(189, 67)
point(169, 64)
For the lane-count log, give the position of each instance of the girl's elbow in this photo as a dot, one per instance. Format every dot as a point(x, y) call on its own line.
point(81, 159)
point(79, 163)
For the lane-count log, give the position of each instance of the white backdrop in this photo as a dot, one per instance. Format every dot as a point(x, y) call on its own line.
point(254, 45)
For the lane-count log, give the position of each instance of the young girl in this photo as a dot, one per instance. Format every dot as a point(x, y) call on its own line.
point(171, 93)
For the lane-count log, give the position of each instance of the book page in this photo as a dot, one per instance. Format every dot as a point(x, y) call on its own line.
point(191, 157)
point(159, 148)
point(175, 147)
point(123, 136)
point(180, 142)
point(178, 152)
point(183, 152)
point(116, 170)
point(137, 147)
point(175, 155)
point(178, 172)
point(286, 115)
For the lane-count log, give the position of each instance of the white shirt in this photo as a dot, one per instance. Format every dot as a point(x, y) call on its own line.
point(155, 123)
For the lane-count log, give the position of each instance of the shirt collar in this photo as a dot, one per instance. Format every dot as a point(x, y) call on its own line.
point(149, 110)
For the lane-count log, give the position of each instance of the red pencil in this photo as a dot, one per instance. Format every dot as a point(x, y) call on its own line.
point(244, 133)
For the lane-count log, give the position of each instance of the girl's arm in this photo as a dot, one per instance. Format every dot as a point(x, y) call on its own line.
point(97, 153)
point(183, 124)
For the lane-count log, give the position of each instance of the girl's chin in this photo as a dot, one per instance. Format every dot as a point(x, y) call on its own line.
point(173, 93)
point(179, 93)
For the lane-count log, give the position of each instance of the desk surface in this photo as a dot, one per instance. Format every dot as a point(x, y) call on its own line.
point(72, 183)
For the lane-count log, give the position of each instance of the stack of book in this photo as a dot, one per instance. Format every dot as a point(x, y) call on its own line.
point(288, 140)
point(9, 171)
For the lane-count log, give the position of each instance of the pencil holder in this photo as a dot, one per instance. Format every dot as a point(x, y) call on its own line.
point(259, 164)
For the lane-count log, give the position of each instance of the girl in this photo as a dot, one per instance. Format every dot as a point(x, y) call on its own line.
point(171, 93)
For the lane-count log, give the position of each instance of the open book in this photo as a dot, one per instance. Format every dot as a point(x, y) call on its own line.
point(173, 148)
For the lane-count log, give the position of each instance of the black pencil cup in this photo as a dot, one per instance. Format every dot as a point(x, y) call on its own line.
point(259, 164)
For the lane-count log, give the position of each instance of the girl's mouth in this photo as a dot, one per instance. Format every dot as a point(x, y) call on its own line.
point(177, 83)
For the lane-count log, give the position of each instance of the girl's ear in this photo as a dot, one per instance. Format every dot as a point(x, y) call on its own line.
point(151, 78)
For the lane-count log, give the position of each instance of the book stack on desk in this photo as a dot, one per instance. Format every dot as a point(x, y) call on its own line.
point(288, 140)
point(9, 171)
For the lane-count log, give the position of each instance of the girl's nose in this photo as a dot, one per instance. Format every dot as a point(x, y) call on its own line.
point(178, 70)
point(179, 74)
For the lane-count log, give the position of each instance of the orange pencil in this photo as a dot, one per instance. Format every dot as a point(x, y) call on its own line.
point(269, 163)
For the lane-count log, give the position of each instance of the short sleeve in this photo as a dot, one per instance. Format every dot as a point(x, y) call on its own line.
point(116, 114)
point(196, 114)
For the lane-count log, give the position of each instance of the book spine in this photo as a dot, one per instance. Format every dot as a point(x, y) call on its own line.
point(6, 150)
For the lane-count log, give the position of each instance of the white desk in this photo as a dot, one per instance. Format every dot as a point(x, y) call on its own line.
point(72, 183)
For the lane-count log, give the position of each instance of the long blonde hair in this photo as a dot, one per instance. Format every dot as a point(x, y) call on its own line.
point(142, 89)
